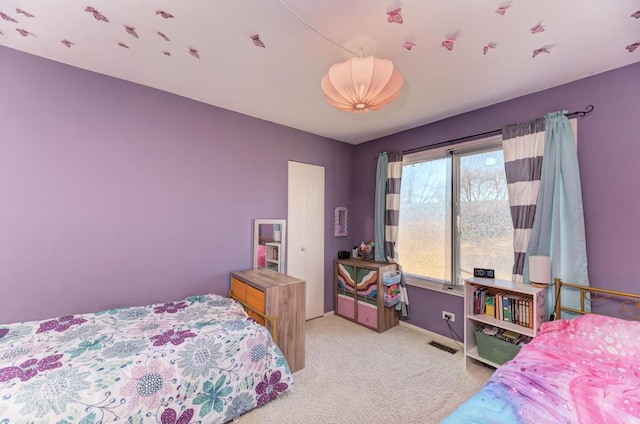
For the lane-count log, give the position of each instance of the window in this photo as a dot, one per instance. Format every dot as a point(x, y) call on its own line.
point(454, 213)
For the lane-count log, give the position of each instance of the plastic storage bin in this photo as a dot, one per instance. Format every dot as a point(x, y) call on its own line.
point(390, 278)
point(494, 349)
point(391, 300)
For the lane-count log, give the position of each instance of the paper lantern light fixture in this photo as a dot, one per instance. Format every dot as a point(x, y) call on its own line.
point(361, 84)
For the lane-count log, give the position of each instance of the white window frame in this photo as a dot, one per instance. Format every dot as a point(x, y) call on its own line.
point(453, 151)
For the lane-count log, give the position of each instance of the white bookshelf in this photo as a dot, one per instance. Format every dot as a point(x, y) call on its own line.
point(473, 321)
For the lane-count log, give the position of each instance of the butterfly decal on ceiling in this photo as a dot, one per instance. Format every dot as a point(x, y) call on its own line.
point(502, 10)
point(486, 48)
point(636, 15)
point(163, 36)
point(257, 41)
point(193, 52)
point(395, 16)
point(22, 12)
point(67, 43)
point(123, 45)
point(131, 31)
point(536, 52)
point(166, 53)
point(7, 18)
point(537, 28)
point(448, 44)
point(99, 16)
point(449, 40)
point(408, 45)
point(632, 47)
point(164, 14)
point(23, 32)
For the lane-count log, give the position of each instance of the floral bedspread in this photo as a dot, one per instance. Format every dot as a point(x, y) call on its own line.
point(582, 370)
point(200, 360)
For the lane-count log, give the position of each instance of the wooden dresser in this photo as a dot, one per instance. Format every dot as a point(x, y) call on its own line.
point(276, 294)
point(359, 290)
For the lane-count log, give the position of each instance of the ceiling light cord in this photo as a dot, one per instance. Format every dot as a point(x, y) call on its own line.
point(314, 29)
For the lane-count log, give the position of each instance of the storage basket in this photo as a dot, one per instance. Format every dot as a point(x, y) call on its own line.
point(391, 277)
point(391, 300)
point(494, 349)
point(366, 255)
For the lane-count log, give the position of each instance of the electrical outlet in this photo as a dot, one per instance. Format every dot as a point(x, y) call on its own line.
point(449, 316)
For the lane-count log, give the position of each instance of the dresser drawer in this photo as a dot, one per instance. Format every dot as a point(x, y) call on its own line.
point(238, 289)
point(255, 299)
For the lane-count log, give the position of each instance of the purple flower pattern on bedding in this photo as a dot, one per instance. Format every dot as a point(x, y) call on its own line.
point(172, 336)
point(169, 416)
point(61, 324)
point(270, 387)
point(171, 307)
point(197, 360)
point(29, 368)
point(582, 370)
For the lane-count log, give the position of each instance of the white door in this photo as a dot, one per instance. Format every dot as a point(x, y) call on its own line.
point(305, 232)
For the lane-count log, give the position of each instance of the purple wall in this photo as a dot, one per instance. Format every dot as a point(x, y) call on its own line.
point(608, 151)
point(115, 194)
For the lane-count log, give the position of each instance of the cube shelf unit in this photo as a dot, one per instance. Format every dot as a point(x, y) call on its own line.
point(358, 293)
point(473, 321)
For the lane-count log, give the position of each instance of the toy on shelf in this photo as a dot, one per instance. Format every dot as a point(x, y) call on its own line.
point(366, 251)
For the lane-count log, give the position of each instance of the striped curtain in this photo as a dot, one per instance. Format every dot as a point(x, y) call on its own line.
point(392, 207)
point(523, 146)
point(387, 214)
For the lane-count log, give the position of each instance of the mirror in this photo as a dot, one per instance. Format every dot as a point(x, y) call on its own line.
point(340, 220)
point(269, 238)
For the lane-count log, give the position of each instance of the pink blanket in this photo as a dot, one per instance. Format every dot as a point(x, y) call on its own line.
point(583, 370)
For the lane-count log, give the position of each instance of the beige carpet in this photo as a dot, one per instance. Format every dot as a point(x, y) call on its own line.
point(355, 375)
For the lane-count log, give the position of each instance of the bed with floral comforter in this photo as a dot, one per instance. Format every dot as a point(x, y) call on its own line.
point(200, 360)
point(582, 370)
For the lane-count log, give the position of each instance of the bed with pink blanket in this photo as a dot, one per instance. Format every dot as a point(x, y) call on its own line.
point(581, 370)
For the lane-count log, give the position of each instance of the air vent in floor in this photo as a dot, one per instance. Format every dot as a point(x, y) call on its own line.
point(443, 347)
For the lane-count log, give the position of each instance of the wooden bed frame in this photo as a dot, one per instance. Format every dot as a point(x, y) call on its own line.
point(629, 302)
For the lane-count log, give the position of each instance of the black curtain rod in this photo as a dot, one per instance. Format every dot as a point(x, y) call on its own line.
point(587, 110)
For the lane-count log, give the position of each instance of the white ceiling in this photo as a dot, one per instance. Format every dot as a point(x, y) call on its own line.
point(281, 82)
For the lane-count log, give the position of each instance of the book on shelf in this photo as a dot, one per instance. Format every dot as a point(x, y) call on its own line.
point(505, 335)
point(503, 306)
point(511, 336)
point(489, 305)
point(479, 299)
point(513, 308)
